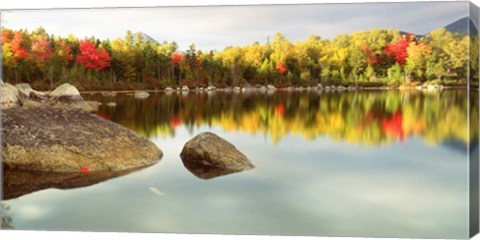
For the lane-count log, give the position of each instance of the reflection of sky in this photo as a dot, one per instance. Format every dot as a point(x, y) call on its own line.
point(321, 187)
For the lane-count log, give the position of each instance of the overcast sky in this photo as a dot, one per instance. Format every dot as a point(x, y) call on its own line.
point(220, 26)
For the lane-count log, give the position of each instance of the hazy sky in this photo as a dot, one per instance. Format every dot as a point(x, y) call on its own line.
point(217, 27)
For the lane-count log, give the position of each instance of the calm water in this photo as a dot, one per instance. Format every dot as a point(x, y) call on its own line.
point(330, 164)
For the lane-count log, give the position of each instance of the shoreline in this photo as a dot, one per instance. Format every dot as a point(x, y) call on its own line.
point(292, 89)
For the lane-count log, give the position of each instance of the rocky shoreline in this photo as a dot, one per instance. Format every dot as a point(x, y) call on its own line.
point(270, 89)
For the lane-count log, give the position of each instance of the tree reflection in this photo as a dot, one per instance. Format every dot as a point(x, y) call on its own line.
point(367, 117)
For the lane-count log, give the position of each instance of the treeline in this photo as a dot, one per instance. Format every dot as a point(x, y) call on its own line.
point(370, 58)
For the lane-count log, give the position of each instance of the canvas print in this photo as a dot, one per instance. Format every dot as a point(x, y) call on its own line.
point(356, 120)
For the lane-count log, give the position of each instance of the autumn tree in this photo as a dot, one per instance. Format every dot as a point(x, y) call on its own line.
point(92, 58)
point(418, 55)
point(457, 52)
point(14, 51)
point(398, 50)
point(177, 60)
point(232, 59)
point(41, 54)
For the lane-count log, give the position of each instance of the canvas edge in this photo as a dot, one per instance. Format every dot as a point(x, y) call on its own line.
point(473, 176)
point(1, 145)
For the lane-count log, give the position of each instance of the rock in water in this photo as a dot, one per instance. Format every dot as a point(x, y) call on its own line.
point(271, 87)
point(207, 156)
point(65, 90)
point(141, 95)
point(70, 140)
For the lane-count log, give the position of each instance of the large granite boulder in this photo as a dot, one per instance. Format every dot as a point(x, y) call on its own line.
point(8, 96)
point(70, 140)
point(208, 155)
point(66, 91)
point(11, 88)
point(24, 88)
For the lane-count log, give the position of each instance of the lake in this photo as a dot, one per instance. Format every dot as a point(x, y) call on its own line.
point(368, 163)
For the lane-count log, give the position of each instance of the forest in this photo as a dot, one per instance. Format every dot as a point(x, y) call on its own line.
point(378, 57)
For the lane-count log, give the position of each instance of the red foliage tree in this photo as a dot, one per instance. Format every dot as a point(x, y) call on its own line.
point(19, 51)
point(67, 50)
point(177, 57)
point(398, 50)
point(41, 50)
point(6, 35)
point(92, 58)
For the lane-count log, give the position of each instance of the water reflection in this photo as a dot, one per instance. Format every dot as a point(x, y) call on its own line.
point(309, 179)
point(367, 118)
point(17, 183)
point(207, 171)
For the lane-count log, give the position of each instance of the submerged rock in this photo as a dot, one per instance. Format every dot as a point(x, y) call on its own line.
point(69, 140)
point(207, 156)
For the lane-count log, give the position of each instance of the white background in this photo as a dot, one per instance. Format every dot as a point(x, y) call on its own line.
point(32, 4)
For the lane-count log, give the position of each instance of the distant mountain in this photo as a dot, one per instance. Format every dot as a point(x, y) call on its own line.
point(462, 26)
point(146, 37)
